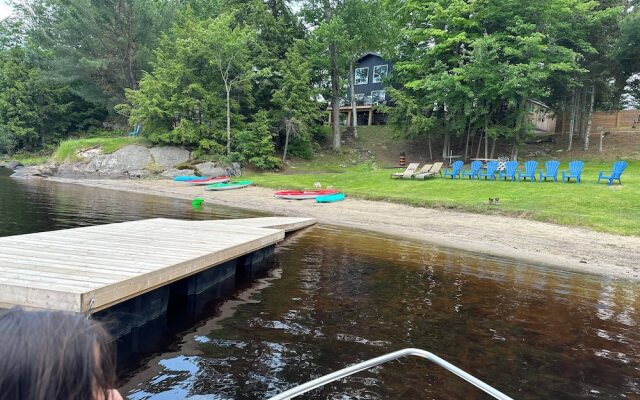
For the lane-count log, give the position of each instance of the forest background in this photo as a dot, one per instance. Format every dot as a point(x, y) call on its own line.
point(251, 80)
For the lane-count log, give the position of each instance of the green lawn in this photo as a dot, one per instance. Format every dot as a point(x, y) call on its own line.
point(68, 149)
point(27, 158)
point(614, 209)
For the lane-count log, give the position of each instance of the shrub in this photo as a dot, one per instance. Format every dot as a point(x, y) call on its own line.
point(255, 144)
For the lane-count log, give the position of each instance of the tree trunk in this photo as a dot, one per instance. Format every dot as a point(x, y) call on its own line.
point(493, 147)
point(286, 140)
point(572, 123)
point(479, 145)
point(514, 150)
point(589, 117)
point(430, 151)
point(582, 105)
point(601, 131)
point(228, 121)
point(354, 111)
point(466, 144)
point(445, 145)
point(335, 81)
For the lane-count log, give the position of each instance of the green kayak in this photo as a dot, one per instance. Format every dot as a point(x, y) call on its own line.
point(229, 185)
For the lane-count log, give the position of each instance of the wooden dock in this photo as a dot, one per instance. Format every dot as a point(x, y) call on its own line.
point(92, 268)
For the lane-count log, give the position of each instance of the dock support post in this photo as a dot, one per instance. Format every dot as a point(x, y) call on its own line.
point(370, 117)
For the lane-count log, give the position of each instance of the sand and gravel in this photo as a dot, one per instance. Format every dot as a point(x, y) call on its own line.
point(539, 243)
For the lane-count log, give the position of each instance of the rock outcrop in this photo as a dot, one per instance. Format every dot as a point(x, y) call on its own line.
point(11, 164)
point(168, 157)
point(210, 169)
point(131, 161)
point(27, 172)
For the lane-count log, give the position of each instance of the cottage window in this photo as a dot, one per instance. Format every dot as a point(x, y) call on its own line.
point(359, 99)
point(379, 73)
point(378, 96)
point(362, 76)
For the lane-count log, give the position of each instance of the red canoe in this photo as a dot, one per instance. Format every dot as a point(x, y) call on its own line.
point(304, 194)
point(208, 181)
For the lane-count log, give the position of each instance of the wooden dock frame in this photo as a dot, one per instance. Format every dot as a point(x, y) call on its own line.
point(89, 269)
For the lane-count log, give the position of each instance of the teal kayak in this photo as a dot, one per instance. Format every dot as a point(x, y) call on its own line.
point(331, 198)
point(186, 178)
point(229, 185)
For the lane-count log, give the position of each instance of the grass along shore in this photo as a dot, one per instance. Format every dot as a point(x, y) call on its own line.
point(612, 209)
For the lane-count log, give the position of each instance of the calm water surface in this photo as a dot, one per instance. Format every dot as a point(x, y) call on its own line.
point(335, 297)
point(36, 205)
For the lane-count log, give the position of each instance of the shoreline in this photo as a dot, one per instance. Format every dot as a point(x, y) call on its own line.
point(539, 243)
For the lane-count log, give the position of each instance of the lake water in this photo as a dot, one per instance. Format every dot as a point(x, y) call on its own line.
point(334, 297)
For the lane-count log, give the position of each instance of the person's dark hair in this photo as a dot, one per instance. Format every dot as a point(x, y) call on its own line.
point(53, 355)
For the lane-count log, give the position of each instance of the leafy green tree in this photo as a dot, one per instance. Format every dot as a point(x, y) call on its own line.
point(365, 27)
point(34, 111)
point(480, 62)
point(255, 143)
point(627, 55)
point(296, 98)
point(229, 50)
point(99, 47)
point(329, 35)
point(201, 63)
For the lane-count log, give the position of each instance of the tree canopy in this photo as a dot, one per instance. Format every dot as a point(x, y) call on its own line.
point(242, 79)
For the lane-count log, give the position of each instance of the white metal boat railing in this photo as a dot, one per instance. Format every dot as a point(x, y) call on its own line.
point(323, 380)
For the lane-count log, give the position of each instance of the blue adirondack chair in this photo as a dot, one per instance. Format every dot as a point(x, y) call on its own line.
point(474, 171)
point(510, 169)
point(455, 170)
point(575, 170)
point(618, 169)
point(551, 171)
point(490, 172)
point(529, 171)
point(136, 131)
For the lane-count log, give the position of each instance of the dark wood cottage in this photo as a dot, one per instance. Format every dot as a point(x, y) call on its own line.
point(370, 75)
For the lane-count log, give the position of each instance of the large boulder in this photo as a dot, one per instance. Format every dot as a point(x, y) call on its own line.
point(173, 172)
point(169, 157)
point(234, 169)
point(28, 172)
point(120, 163)
point(210, 169)
point(12, 164)
point(129, 161)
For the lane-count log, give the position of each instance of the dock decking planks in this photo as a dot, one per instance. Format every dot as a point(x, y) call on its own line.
point(91, 268)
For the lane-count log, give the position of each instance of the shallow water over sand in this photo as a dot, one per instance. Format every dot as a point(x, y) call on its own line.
point(335, 297)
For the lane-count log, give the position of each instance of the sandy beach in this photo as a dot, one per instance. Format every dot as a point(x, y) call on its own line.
point(534, 242)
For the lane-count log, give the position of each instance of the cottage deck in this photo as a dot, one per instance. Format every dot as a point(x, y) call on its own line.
point(92, 268)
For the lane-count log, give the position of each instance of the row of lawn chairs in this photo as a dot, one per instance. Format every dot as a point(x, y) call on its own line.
point(510, 171)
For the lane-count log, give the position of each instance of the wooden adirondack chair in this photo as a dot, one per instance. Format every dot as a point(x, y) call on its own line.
point(474, 171)
point(530, 168)
point(492, 167)
point(411, 169)
point(551, 171)
point(424, 170)
point(510, 169)
point(616, 172)
point(435, 169)
point(575, 171)
point(455, 170)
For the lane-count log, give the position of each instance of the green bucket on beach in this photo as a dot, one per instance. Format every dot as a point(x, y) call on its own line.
point(197, 202)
